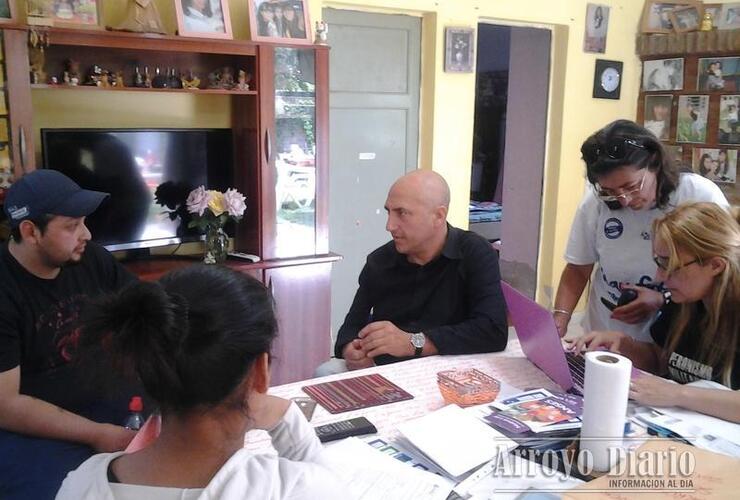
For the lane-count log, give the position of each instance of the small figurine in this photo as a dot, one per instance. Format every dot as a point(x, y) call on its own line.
point(95, 76)
point(159, 81)
point(173, 79)
point(322, 29)
point(227, 78)
point(147, 78)
point(242, 80)
point(190, 81)
point(53, 80)
point(119, 80)
point(214, 80)
point(707, 23)
point(138, 78)
point(71, 72)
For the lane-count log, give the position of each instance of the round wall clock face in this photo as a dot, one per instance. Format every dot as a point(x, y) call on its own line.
point(610, 79)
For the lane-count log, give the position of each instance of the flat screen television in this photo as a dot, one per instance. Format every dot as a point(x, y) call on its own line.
point(131, 164)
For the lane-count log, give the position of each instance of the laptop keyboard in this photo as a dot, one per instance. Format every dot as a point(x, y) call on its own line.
point(577, 366)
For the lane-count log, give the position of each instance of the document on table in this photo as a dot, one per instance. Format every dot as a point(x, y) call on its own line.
point(455, 440)
point(372, 475)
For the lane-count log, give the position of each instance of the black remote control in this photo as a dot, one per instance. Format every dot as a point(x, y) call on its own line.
point(345, 428)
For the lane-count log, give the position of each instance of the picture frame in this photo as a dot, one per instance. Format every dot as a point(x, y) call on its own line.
point(729, 120)
point(607, 79)
point(691, 119)
point(597, 26)
point(676, 154)
point(199, 19)
point(76, 14)
point(716, 164)
point(729, 18)
point(663, 74)
point(459, 49)
point(280, 21)
point(657, 115)
point(656, 14)
point(7, 12)
point(686, 18)
point(718, 74)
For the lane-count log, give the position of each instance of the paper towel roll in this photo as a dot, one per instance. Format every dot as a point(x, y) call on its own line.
point(605, 394)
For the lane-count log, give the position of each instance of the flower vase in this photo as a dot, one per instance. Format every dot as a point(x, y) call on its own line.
point(216, 245)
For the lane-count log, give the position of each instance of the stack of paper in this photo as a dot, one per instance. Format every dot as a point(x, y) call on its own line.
point(455, 440)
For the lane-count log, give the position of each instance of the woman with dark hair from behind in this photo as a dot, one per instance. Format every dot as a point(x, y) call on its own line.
point(200, 342)
point(697, 250)
point(633, 181)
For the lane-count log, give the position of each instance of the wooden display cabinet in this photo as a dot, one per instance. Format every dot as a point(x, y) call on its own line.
point(280, 140)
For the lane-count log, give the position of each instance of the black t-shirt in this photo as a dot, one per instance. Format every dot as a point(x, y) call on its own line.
point(683, 365)
point(39, 327)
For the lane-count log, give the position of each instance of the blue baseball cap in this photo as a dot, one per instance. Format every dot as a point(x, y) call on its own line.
point(48, 192)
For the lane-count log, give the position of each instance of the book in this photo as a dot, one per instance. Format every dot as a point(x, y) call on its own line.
point(538, 411)
point(454, 440)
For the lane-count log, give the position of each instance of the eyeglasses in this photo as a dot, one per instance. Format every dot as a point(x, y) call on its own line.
point(662, 263)
point(627, 195)
point(617, 148)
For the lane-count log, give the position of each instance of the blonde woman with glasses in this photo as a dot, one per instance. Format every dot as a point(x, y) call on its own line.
point(697, 252)
point(633, 180)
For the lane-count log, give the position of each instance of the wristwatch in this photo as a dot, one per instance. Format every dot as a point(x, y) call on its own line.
point(418, 340)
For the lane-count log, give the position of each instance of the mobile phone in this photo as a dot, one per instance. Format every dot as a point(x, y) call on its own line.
point(306, 405)
point(345, 428)
point(609, 305)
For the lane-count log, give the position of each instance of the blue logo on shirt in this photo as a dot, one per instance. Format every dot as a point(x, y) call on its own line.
point(613, 228)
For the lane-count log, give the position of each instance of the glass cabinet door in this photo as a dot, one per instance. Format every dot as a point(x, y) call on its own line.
point(295, 151)
point(6, 166)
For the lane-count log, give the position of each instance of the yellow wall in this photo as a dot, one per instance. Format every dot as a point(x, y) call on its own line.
point(447, 98)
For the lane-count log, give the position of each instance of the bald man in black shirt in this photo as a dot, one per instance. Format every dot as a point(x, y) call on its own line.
point(434, 289)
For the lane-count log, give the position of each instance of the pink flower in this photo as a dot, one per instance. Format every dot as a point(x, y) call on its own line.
point(234, 201)
point(197, 201)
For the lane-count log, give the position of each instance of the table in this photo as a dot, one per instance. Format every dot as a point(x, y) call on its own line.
point(419, 378)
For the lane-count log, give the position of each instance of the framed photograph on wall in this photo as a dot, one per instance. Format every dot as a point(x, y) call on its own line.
point(280, 20)
point(686, 18)
point(691, 122)
point(459, 50)
point(597, 25)
point(729, 17)
point(718, 73)
point(658, 115)
point(662, 74)
point(656, 15)
point(203, 18)
point(7, 11)
point(728, 120)
point(76, 13)
point(718, 165)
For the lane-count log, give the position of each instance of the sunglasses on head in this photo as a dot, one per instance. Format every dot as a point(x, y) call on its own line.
point(617, 148)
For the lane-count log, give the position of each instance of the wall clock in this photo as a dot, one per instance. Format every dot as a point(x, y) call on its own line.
point(607, 79)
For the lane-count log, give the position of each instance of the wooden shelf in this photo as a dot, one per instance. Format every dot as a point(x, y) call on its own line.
point(714, 42)
point(149, 41)
point(90, 88)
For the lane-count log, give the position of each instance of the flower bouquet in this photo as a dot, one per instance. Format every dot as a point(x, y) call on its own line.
point(206, 210)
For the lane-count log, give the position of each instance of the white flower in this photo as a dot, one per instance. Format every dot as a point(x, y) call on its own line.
point(234, 201)
point(197, 201)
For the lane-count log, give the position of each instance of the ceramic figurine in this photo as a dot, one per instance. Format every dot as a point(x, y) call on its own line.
point(707, 23)
point(71, 72)
point(190, 81)
point(322, 29)
point(242, 80)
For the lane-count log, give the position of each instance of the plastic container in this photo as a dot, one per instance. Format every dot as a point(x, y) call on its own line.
point(467, 387)
point(135, 419)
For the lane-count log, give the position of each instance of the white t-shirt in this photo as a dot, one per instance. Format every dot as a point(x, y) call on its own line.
point(299, 471)
point(619, 243)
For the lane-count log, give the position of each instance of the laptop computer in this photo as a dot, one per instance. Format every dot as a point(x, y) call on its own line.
point(541, 343)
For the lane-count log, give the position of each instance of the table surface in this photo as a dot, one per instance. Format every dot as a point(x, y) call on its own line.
point(419, 378)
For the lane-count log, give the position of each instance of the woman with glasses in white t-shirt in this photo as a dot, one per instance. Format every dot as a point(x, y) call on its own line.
point(633, 180)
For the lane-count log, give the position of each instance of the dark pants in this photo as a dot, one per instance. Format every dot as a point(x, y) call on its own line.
point(34, 468)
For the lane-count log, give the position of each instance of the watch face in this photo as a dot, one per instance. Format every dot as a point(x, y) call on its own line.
point(418, 339)
point(610, 79)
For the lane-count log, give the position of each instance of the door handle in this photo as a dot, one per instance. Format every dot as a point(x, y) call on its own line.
point(268, 146)
point(23, 148)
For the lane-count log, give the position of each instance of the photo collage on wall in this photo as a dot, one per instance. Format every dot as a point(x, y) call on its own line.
point(695, 124)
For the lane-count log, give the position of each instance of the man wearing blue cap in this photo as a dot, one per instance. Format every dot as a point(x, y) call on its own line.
point(51, 420)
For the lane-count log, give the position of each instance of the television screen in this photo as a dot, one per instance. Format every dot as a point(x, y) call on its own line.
point(131, 164)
